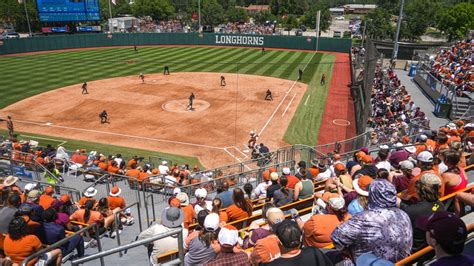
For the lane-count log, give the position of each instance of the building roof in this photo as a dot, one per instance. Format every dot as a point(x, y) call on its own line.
point(360, 6)
point(336, 9)
point(257, 8)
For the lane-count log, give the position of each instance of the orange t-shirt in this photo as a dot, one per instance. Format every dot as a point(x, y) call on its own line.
point(411, 189)
point(292, 181)
point(133, 173)
point(318, 229)
point(116, 202)
point(94, 217)
point(103, 166)
point(235, 213)
point(19, 249)
point(83, 200)
point(112, 169)
point(129, 164)
point(143, 175)
point(45, 201)
point(189, 215)
point(314, 172)
point(265, 250)
point(223, 217)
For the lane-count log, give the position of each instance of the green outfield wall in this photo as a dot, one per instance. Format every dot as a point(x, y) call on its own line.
point(45, 43)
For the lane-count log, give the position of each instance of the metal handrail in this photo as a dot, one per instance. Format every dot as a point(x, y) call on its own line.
point(94, 226)
point(69, 190)
point(117, 220)
point(134, 244)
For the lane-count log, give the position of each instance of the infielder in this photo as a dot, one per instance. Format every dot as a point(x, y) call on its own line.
point(223, 81)
point(104, 117)
point(253, 140)
point(268, 95)
point(84, 88)
point(142, 77)
point(191, 99)
point(166, 71)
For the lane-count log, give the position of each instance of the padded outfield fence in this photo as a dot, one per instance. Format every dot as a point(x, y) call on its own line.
point(45, 43)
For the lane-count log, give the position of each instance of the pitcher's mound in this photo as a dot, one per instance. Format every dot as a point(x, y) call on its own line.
point(179, 106)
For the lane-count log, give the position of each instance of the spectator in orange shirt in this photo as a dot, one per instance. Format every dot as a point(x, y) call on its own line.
point(425, 163)
point(46, 199)
point(132, 161)
point(318, 229)
point(88, 195)
point(18, 244)
point(133, 172)
point(292, 180)
point(187, 208)
point(89, 216)
point(79, 157)
point(114, 199)
point(241, 208)
point(143, 175)
point(102, 164)
point(113, 168)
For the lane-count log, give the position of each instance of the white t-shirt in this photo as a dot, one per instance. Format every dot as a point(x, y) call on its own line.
point(198, 208)
point(163, 169)
point(384, 164)
point(261, 189)
point(324, 175)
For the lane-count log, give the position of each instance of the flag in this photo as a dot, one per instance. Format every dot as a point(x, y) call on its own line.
point(114, 2)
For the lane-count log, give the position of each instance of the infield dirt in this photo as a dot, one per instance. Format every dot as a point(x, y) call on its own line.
point(153, 116)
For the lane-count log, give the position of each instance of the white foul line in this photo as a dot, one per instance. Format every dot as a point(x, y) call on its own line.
point(119, 134)
point(282, 100)
point(307, 98)
point(288, 106)
point(233, 156)
point(61, 142)
point(237, 149)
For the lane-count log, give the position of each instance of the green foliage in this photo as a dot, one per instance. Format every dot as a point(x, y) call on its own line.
point(157, 9)
point(457, 20)
point(236, 14)
point(264, 16)
point(212, 12)
point(419, 14)
point(11, 12)
point(309, 17)
point(379, 25)
point(121, 8)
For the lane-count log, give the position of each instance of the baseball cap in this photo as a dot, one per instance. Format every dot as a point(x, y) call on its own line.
point(398, 145)
point(425, 156)
point(365, 150)
point(272, 169)
point(339, 167)
point(183, 198)
point(275, 215)
point(406, 164)
point(172, 217)
point(410, 149)
point(444, 226)
point(423, 137)
point(176, 191)
point(174, 202)
point(274, 176)
point(361, 185)
point(228, 236)
point(49, 190)
point(430, 179)
point(266, 175)
point(211, 223)
point(286, 170)
point(200, 193)
point(289, 233)
point(366, 158)
point(30, 186)
point(65, 198)
point(34, 194)
point(336, 203)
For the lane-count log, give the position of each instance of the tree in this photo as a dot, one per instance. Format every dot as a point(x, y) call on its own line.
point(379, 25)
point(121, 8)
point(157, 9)
point(212, 12)
point(457, 20)
point(309, 17)
point(11, 12)
point(264, 16)
point(234, 14)
point(419, 14)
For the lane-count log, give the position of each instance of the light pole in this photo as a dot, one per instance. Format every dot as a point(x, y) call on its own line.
point(399, 23)
point(199, 15)
point(111, 27)
point(363, 32)
point(27, 17)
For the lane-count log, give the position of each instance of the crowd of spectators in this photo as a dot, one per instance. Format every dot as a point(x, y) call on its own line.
point(147, 24)
point(247, 28)
point(34, 216)
point(454, 66)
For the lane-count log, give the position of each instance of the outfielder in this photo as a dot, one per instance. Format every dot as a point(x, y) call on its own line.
point(191, 99)
point(323, 79)
point(9, 126)
point(253, 140)
point(84, 88)
point(166, 71)
point(223, 81)
point(104, 117)
point(300, 74)
point(142, 77)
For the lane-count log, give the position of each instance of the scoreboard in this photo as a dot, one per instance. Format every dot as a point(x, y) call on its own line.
point(68, 10)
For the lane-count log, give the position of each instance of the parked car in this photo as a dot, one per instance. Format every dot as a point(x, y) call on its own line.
point(9, 35)
point(340, 18)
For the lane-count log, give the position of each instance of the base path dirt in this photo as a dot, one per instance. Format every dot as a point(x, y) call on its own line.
point(338, 121)
point(153, 115)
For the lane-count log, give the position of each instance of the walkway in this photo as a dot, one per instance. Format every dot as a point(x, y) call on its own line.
point(420, 99)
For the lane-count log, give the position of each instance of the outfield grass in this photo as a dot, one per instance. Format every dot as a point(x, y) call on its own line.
point(126, 152)
point(28, 75)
